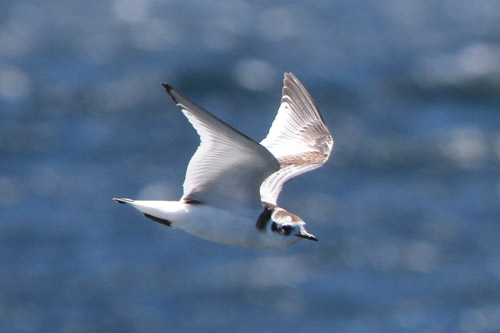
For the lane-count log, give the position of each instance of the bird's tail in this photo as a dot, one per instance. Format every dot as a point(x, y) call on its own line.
point(157, 210)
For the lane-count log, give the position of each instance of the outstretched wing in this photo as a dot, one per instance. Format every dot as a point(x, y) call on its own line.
point(298, 138)
point(228, 167)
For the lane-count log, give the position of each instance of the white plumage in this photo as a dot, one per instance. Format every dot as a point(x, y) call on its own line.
point(232, 182)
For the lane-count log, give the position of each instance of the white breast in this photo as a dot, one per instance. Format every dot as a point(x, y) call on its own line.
point(236, 228)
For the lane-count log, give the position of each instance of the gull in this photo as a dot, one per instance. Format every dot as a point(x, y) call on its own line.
point(232, 182)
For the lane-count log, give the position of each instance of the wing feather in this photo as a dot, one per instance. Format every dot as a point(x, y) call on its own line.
point(228, 167)
point(298, 138)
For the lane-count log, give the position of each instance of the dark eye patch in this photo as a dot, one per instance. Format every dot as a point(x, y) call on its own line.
point(284, 230)
point(287, 229)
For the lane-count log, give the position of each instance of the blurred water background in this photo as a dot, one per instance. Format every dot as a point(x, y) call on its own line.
point(407, 209)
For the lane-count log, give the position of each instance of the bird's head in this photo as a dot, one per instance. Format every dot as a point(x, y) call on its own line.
point(289, 225)
point(296, 229)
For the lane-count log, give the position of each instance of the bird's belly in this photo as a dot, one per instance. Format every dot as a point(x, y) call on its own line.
point(223, 226)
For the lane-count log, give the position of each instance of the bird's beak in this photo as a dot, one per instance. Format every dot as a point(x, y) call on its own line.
point(306, 235)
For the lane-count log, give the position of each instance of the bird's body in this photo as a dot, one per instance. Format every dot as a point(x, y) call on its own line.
point(231, 227)
point(232, 182)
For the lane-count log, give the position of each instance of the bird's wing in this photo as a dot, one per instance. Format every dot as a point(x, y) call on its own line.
point(228, 167)
point(298, 138)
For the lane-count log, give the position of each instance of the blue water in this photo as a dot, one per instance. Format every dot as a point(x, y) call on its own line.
point(407, 210)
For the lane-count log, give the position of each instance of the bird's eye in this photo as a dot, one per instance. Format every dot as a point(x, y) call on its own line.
point(286, 229)
point(282, 230)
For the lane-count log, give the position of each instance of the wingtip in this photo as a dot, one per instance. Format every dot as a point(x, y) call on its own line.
point(289, 75)
point(170, 91)
point(123, 200)
point(166, 86)
point(290, 79)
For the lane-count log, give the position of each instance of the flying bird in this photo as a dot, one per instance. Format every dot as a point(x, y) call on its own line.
point(232, 182)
